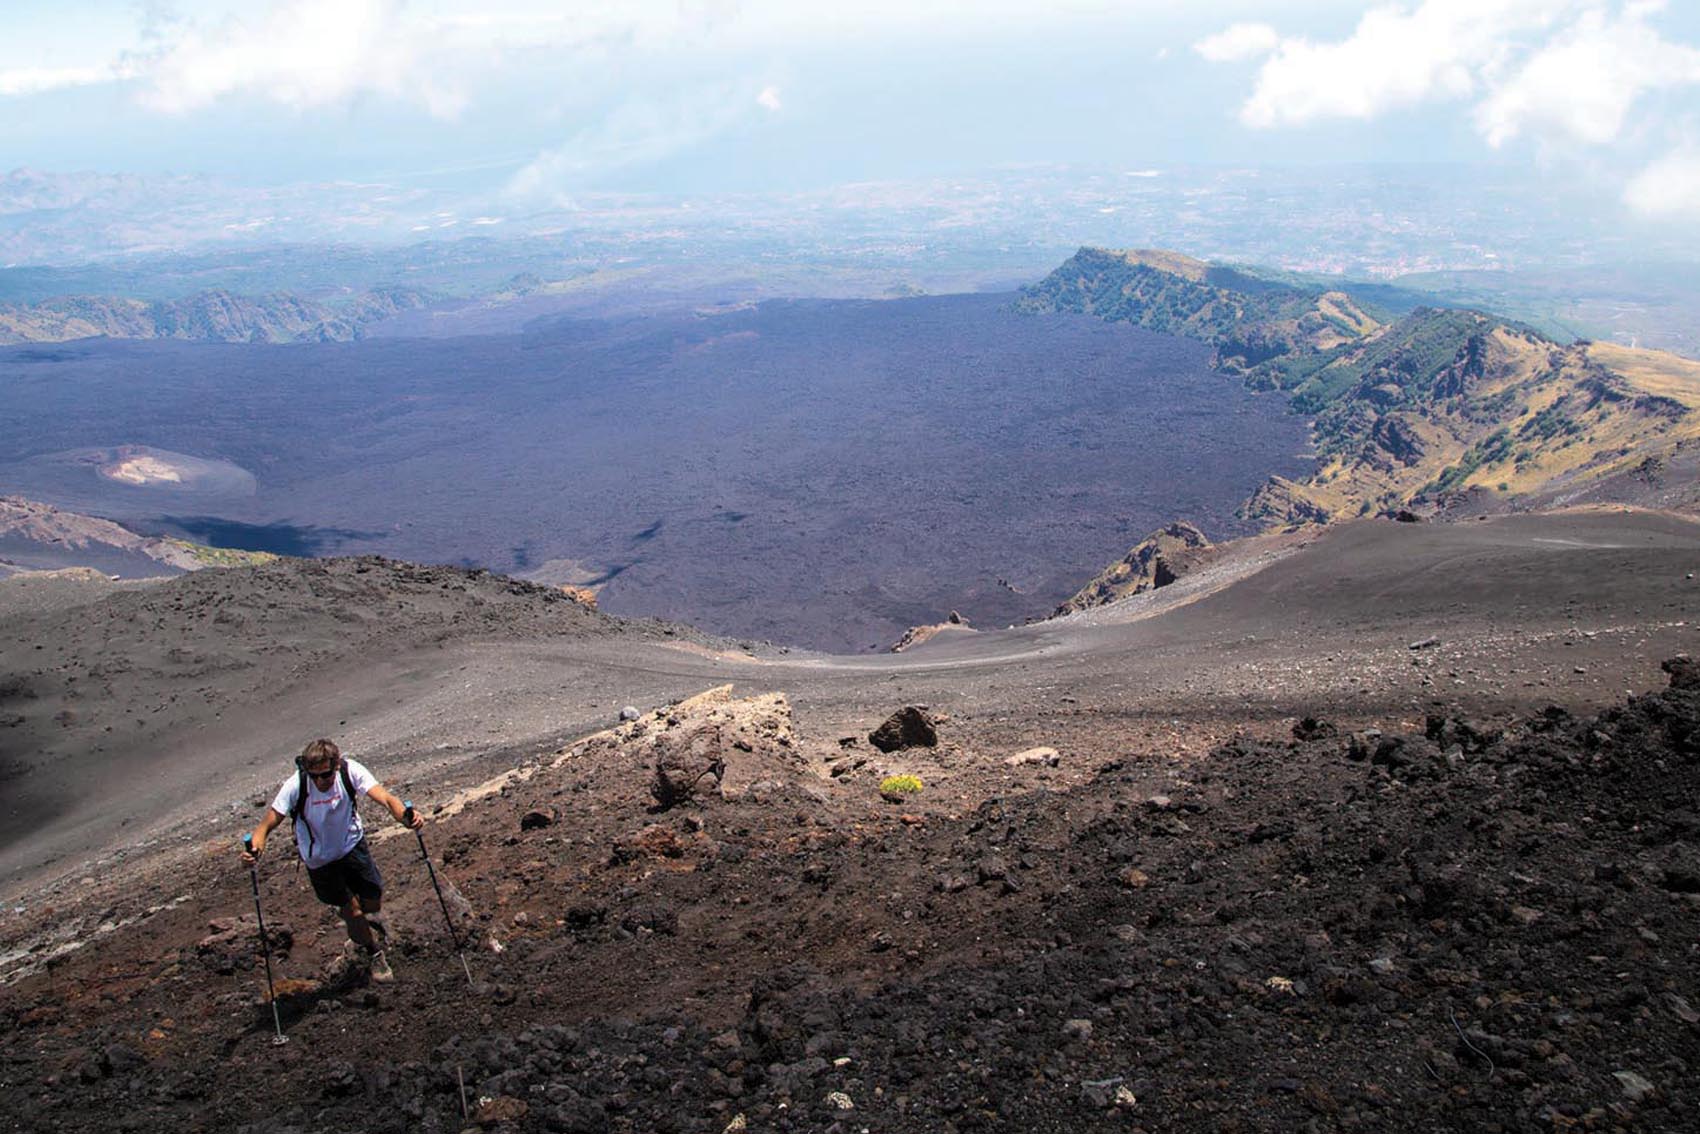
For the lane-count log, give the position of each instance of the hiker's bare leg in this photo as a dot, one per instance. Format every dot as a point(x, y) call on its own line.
point(359, 929)
point(372, 908)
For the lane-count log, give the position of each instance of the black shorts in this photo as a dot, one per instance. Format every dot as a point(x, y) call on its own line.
point(354, 872)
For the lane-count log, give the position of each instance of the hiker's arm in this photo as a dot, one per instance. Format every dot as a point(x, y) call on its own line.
point(397, 808)
point(267, 825)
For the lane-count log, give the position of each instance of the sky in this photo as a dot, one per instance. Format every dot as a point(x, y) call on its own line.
point(540, 102)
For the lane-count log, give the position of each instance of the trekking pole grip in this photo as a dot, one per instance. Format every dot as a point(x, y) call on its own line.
point(407, 812)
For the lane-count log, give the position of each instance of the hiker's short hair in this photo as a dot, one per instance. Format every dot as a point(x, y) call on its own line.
point(321, 749)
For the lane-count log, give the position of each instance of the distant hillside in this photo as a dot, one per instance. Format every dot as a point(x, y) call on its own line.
point(217, 316)
point(1408, 411)
point(1252, 322)
point(36, 536)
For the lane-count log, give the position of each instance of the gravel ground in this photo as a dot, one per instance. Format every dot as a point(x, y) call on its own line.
point(1184, 916)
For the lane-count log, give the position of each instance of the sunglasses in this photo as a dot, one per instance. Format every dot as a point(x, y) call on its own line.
point(322, 773)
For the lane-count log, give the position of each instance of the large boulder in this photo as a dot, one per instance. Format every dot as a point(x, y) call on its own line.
point(716, 744)
point(1684, 672)
point(687, 762)
point(909, 727)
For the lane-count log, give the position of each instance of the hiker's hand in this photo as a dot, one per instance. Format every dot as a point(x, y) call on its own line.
point(251, 852)
point(415, 822)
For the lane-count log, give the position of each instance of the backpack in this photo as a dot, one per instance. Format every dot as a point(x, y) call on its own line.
point(301, 797)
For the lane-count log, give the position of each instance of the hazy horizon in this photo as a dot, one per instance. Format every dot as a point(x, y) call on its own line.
point(306, 121)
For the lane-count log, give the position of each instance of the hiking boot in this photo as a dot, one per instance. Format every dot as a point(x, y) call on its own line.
point(381, 971)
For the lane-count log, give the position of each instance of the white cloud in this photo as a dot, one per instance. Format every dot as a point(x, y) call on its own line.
point(1585, 81)
point(190, 54)
point(1396, 57)
point(301, 53)
point(1565, 72)
point(1572, 68)
point(1238, 42)
point(39, 80)
point(768, 99)
point(1668, 188)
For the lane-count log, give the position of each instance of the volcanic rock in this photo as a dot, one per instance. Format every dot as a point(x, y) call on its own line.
point(1635, 1086)
point(584, 596)
point(1282, 503)
point(1684, 673)
point(684, 761)
point(1309, 728)
point(916, 635)
point(235, 941)
point(506, 1108)
point(910, 727)
point(538, 817)
point(1155, 561)
point(1041, 755)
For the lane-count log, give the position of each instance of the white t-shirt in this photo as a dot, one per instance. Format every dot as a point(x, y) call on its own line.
point(336, 826)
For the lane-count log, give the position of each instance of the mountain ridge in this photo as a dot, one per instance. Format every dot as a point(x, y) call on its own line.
point(1408, 411)
point(216, 315)
point(50, 538)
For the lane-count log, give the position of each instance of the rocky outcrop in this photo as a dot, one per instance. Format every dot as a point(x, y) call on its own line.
point(43, 523)
point(1283, 503)
point(63, 537)
point(711, 746)
point(1396, 437)
point(584, 596)
point(910, 727)
point(1468, 368)
point(686, 763)
point(1684, 673)
point(916, 635)
point(1155, 561)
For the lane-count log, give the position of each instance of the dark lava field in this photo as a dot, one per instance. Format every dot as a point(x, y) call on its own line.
point(820, 473)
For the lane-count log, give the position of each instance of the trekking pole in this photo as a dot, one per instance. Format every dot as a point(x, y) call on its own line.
point(407, 817)
point(265, 944)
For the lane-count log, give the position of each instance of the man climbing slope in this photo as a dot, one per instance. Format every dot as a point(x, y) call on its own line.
point(320, 800)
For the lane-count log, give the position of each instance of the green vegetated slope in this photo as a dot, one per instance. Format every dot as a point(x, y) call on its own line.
point(1249, 320)
point(218, 316)
point(1406, 410)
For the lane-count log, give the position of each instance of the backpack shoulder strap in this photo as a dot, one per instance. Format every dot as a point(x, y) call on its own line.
point(300, 806)
point(348, 786)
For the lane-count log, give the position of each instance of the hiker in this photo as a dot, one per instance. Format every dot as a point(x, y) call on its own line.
point(321, 799)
